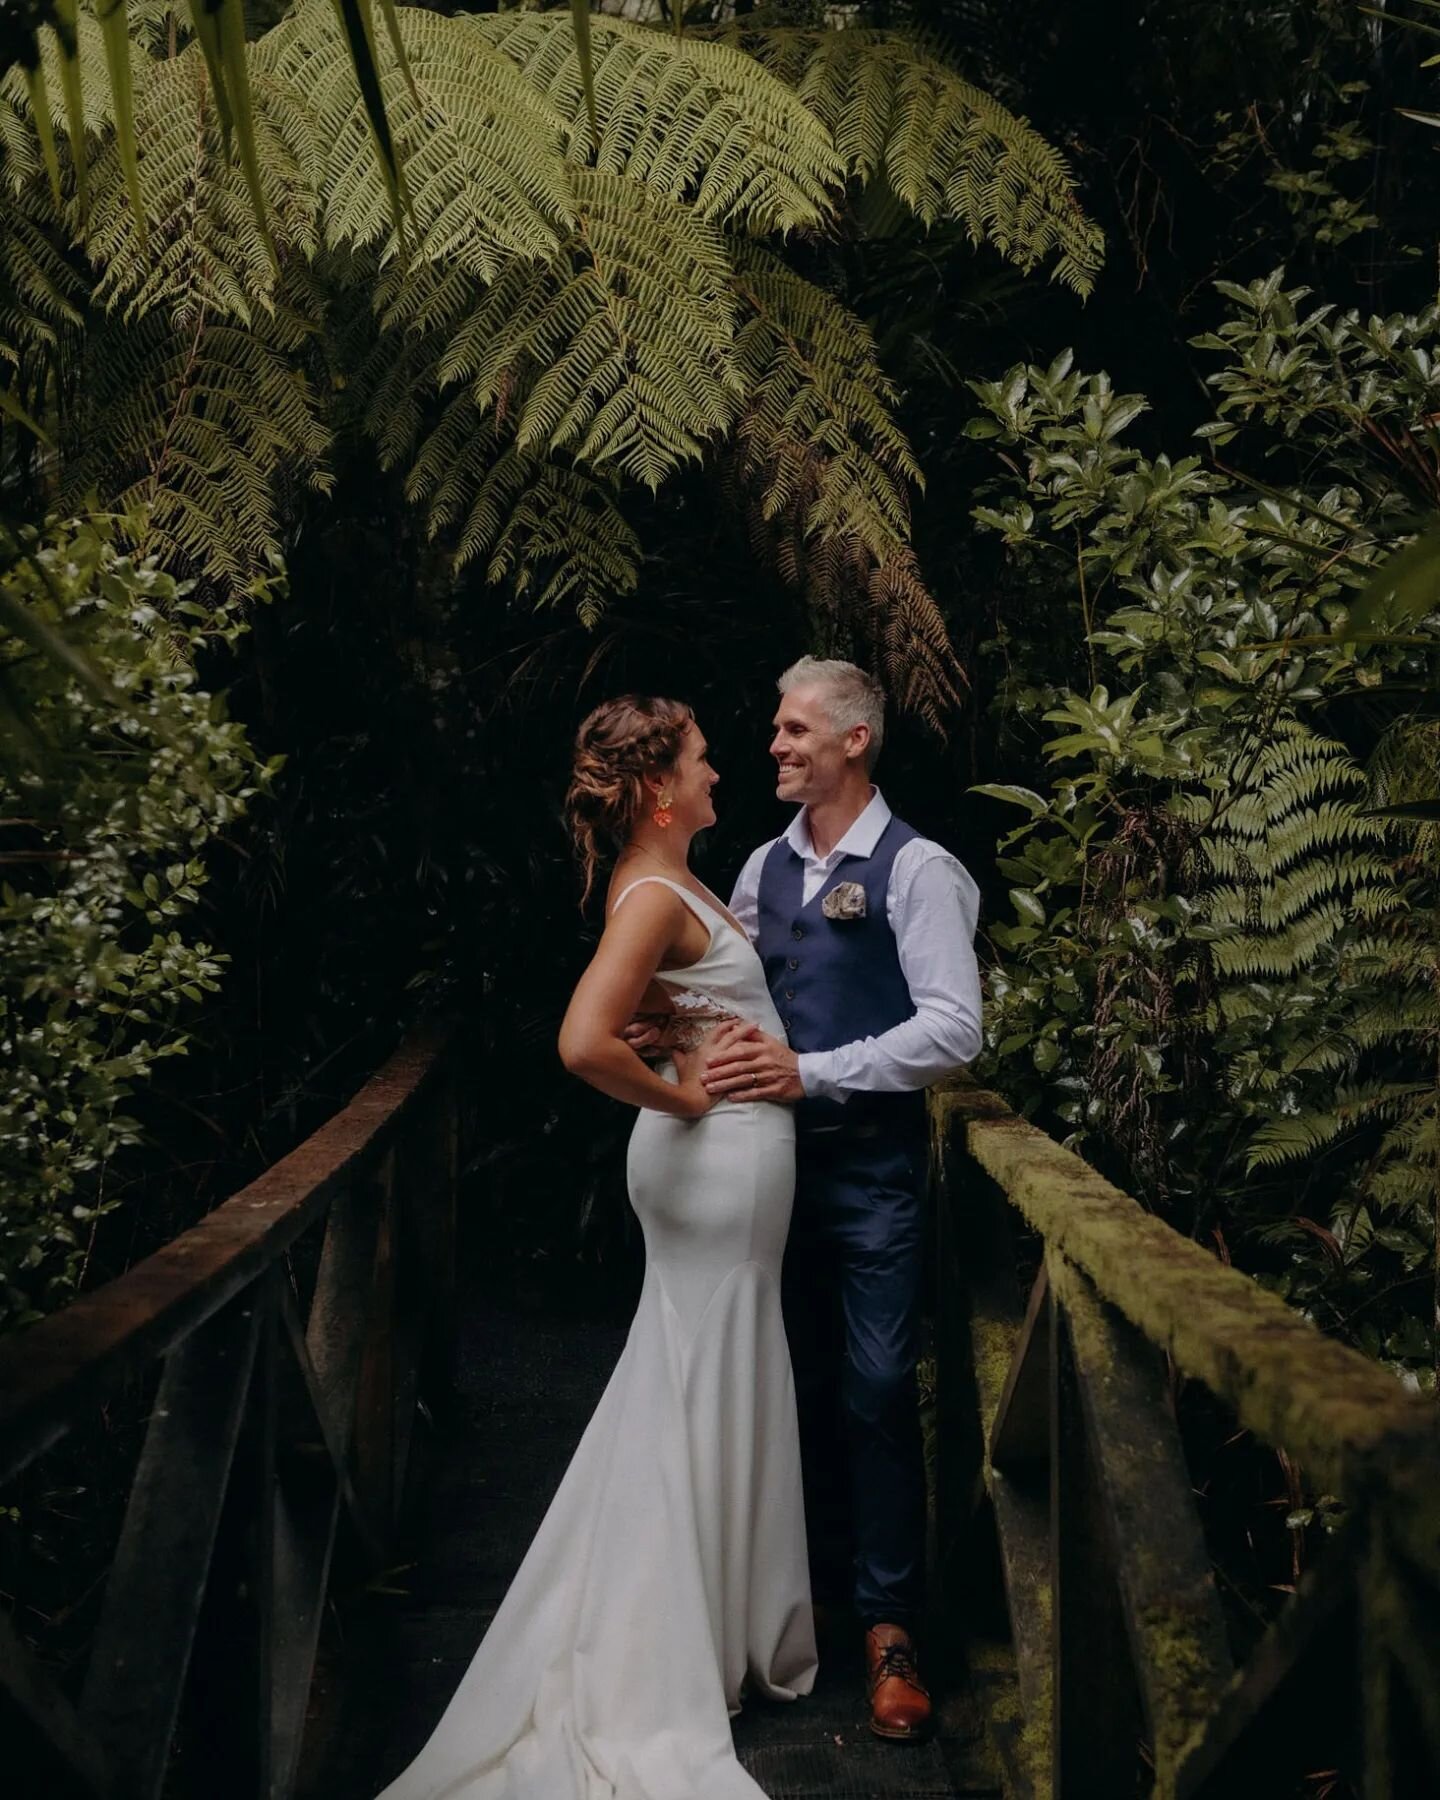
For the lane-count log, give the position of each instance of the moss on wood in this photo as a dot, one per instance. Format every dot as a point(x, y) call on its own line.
point(1340, 1414)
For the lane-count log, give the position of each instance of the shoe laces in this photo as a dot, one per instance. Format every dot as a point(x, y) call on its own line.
point(898, 1659)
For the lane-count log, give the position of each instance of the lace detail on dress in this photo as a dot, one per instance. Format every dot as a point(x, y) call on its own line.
point(696, 1015)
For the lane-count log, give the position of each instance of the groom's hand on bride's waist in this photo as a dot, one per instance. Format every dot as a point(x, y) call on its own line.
point(750, 1065)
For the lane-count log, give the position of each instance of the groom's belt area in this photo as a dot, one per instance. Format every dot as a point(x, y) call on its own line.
point(861, 1116)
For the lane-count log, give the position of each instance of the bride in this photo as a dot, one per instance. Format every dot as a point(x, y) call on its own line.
point(669, 1575)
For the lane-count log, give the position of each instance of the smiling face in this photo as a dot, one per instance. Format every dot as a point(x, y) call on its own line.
point(814, 761)
point(689, 783)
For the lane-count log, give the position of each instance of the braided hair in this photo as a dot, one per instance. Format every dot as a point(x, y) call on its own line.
point(616, 747)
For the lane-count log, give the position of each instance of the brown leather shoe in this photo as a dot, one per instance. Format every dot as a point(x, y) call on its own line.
point(899, 1702)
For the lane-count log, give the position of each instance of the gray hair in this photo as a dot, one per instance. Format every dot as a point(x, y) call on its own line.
point(851, 696)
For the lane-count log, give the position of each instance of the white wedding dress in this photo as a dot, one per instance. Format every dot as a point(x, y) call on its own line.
point(669, 1574)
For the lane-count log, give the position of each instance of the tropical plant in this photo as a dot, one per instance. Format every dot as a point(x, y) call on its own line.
point(1220, 974)
point(109, 803)
point(560, 316)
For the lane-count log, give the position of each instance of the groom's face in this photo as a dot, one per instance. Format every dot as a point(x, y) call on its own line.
point(812, 759)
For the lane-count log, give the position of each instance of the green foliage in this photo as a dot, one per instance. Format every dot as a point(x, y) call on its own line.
point(102, 848)
point(698, 122)
point(484, 177)
point(618, 349)
point(194, 434)
point(1221, 970)
point(946, 149)
point(204, 253)
point(542, 323)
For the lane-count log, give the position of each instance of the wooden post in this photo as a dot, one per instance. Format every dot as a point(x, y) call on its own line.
point(375, 1415)
point(1096, 1713)
point(1172, 1615)
point(135, 1679)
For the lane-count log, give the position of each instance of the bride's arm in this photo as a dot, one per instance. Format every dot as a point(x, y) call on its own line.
point(592, 1046)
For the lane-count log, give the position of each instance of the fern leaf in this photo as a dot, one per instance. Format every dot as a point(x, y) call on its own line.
point(618, 350)
point(41, 294)
point(817, 421)
point(23, 155)
point(480, 148)
point(693, 119)
point(194, 430)
point(207, 249)
point(948, 149)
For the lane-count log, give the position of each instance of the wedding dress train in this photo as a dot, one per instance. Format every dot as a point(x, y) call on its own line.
point(670, 1571)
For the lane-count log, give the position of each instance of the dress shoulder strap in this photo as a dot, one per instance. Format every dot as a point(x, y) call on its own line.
point(693, 901)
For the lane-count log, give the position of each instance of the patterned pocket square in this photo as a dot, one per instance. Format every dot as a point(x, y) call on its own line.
point(846, 900)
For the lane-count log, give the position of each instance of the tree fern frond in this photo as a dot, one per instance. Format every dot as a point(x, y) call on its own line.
point(41, 293)
point(18, 140)
point(206, 252)
point(1367, 880)
point(695, 120)
point(195, 429)
point(920, 665)
point(555, 534)
point(618, 350)
point(1289, 1139)
point(481, 152)
point(1251, 955)
point(948, 149)
point(817, 426)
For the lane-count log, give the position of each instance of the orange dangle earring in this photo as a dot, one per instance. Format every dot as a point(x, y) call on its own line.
point(664, 813)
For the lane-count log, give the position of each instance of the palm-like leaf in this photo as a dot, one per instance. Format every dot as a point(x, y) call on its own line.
point(191, 431)
point(206, 250)
point(695, 120)
point(480, 148)
point(948, 149)
point(619, 350)
point(817, 432)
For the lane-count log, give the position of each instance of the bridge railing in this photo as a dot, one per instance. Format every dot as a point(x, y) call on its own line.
point(283, 1339)
point(1060, 1456)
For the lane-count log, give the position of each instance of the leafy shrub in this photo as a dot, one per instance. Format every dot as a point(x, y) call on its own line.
point(108, 801)
point(1221, 973)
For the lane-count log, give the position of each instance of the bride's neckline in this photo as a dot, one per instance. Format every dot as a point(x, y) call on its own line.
point(701, 893)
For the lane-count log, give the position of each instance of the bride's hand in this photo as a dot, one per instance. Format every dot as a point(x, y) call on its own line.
point(689, 1067)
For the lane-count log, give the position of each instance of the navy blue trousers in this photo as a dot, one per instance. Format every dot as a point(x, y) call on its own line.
point(851, 1294)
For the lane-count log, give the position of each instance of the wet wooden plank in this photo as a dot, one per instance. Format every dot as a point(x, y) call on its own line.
point(55, 1370)
point(307, 1422)
point(157, 1583)
point(1096, 1713)
point(1172, 1613)
point(1021, 1432)
point(1241, 1741)
point(340, 1308)
point(375, 1401)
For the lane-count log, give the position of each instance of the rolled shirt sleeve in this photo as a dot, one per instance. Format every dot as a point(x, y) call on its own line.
point(933, 907)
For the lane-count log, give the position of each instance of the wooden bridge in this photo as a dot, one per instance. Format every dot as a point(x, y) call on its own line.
point(334, 1456)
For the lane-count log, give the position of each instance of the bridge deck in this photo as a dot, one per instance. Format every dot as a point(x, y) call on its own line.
point(532, 1364)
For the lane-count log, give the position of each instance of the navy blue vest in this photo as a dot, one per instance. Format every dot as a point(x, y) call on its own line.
point(835, 980)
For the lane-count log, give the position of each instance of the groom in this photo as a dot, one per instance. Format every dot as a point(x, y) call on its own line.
point(866, 932)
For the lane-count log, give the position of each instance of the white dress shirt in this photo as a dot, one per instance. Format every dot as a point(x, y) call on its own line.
point(931, 905)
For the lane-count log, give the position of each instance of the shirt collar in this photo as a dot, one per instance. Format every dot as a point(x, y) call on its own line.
point(859, 840)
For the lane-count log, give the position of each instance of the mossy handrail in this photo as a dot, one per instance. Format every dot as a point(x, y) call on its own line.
point(288, 1330)
point(1077, 1454)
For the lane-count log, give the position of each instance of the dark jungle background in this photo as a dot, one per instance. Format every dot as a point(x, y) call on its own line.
point(1243, 1034)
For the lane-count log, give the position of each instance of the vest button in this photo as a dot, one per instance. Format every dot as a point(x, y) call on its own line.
point(791, 963)
point(789, 993)
point(787, 1022)
point(797, 932)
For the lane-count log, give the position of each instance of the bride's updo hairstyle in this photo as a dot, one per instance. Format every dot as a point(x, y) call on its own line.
point(620, 743)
